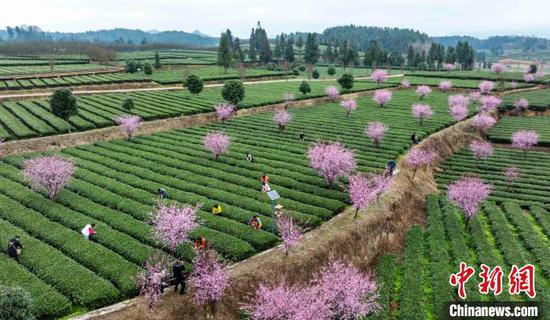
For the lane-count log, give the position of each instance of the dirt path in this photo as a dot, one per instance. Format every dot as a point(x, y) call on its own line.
point(377, 230)
point(163, 88)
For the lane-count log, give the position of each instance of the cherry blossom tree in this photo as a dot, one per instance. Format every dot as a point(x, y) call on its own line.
point(474, 96)
point(288, 97)
point(149, 281)
point(468, 193)
point(282, 119)
point(375, 131)
point(331, 160)
point(349, 105)
point(458, 100)
point(525, 139)
point(481, 150)
point(217, 143)
point(498, 68)
point(422, 111)
point(208, 280)
point(129, 125)
point(521, 105)
point(539, 74)
point(458, 112)
point(528, 77)
point(382, 96)
point(488, 103)
point(50, 174)
point(514, 84)
point(173, 223)
point(483, 123)
point(449, 66)
point(511, 174)
point(445, 85)
point(417, 158)
point(486, 86)
point(423, 91)
point(332, 93)
point(224, 111)
point(289, 232)
point(379, 76)
point(405, 84)
point(364, 190)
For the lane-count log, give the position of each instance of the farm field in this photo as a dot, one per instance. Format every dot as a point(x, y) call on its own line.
point(115, 184)
point(26, 119)
point(32, 69)
point(171, 57)
point(208, 73)
point(500, 235)
point(474, 74)
point(457, 83)
point(539, 100)
point(502, 132)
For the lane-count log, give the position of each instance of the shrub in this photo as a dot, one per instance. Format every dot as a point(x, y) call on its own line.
point(148, 68)
point(302, 68)
point(295, 72)
point(63, 104)
point(128, 104)
point(270, 66)
point(331, 71)
point(131, 66)
point(304, 88)
point(346, 81)
point(233, 91)
point(194, 84)
point(315, 74)
point(15, 304)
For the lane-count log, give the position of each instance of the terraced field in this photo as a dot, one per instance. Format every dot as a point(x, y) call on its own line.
point(115, 184)
point(538, 100)
point(172, 57)
point(475, 74)
point(502, 132)
point(457, 83)
point(26, 119)
point(500, 235)
point(207, 73)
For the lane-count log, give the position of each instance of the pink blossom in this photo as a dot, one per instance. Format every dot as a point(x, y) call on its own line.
point(289, 232)
point(349, 105)
point(481, 150)
point(379, 76)
point(282, 118)
point(51, 174)
point(288, 97)
point(521, 104)
point(468, 193)
point(150, 280)
point(483, 122)
point(458, 112)
point(382, 96)
point(458, 100)
point(375, 131)
point(331, 160)
point(475, 96)
point(498, 68)
point(422, 111)
point(332, 93)
point(524, 139)
point(528, 77)
point(539, 74)
point(423, 91)
point(510, 174)
point(209, 279)
point(224, 111)
point(217, 143)
point(486, 86)
point(489, 103)
point(445, 85)
point(364, 190)
point(514, 84)
point(129, 125)
point(449, 66)
point(417, 158)
point(172, 223)
point(405, 84)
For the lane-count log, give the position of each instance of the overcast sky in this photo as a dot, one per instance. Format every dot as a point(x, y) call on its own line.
point(479, 18)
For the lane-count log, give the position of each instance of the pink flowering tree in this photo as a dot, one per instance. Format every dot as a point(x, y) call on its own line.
point(208, 280)
point(539, 74)
point(282, 119)
point(514, 84)
point(474, 96)
point(217, 143)
point(525, 139)
point(422, 112)
point(481, 150)
point(173, 223)
point(289, 232)
point(458, 99)
point(49, 174)
point(331, 160)
point(332, 93)
point(375, 131)
point(405, 84)
point(449, 66)
point(511, 174)
point(128, 125)
point(528, 77)
point(338, 291)
point(224, 111)
point(498, 68)
point(382, 96)
point(288, 97)
point(486, 86)
point(364, 190)
point(417, 158)
point(349, 105)
point(379, 76)
point(489, 103)
point(483, 123)
point(521, 105)
point(468, 193)
point(423, 91)
point(459, 112)
point(149, 281)
point(445, 85)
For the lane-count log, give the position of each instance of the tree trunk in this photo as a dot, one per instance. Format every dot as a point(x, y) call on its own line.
point(356, 211)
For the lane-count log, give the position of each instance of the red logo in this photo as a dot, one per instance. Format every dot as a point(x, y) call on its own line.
point(492, 280)
point(522, 280)
point(459, 279)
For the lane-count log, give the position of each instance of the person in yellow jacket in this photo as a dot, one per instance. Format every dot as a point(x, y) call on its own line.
point(217, 209)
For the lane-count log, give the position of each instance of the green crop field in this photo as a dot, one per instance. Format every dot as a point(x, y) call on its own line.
point(26, 119)
point(115, 184)
point(171, 57)
point(457, 83)
point(538, 99)
point(502, 132)
point(473, 74)
point(207, 73)
point(500, 235)
point(32, 69)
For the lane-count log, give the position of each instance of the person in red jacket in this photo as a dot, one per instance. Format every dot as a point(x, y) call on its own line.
point(89, 232)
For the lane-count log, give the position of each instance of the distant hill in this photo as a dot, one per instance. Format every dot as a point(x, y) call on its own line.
point(498, 43)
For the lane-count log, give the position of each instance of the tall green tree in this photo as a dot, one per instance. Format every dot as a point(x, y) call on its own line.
point(224, 52)
point(158, 64)
point(410, 57)
point(300, 44)
point(262, 44)
point(312, 53)
point(63, 105)
point(252, 46)
point(238, 54)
